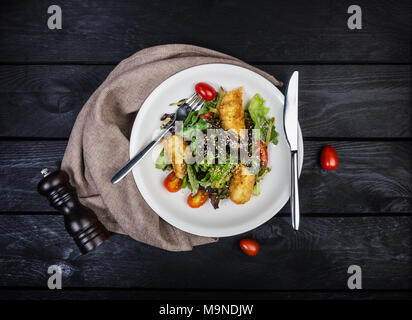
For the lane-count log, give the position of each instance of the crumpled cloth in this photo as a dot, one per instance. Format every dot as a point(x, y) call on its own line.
point(99, 143)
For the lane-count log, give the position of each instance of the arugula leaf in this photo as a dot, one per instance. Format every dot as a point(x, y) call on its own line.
point(205, 182)
point(191, 119)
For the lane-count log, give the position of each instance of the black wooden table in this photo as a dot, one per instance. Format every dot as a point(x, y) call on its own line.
point(355, 95)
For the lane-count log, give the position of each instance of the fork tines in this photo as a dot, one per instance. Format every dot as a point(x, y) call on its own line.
point(194, 102)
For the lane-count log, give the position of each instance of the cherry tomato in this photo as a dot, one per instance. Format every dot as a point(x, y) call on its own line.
point(205, 91)
point(172, 183)
point(198, 199)
point(206, 115)
point(329, 158)
point(249, 246)
point(263, 153)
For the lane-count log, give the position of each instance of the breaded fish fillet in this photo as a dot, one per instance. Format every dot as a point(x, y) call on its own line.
point(241, 186)
point(176, 149)
point(231, 112)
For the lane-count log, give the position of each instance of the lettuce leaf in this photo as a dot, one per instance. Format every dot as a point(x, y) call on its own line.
point(258, 112)
point(162, 160)
point(193, 183)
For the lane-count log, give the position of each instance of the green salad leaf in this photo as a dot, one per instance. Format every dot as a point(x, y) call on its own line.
point(220, 174)
point(257, 109)
point(205, 181)
point(190, 131)
point(162, 160)
point(258, 112)
point(193, 183)
point(208, 173)
point(256, 188)
point(184, 182)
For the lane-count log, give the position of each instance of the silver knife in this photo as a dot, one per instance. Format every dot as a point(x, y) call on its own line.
point(290, 118)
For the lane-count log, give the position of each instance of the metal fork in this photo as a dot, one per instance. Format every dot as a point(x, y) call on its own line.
point(193, 103)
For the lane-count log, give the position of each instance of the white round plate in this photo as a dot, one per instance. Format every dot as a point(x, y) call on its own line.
point(230, 219)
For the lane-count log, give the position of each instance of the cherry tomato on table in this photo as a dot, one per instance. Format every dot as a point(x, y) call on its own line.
point(249, 246)
point(263, 153)
point(329, 158)
point(205, 91)
point(198, 199)
point(206, 115)
point(172, 183)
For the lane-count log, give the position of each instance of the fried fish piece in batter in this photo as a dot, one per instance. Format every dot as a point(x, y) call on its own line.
point(177, 150)
point(231, 112)
point(241, 186)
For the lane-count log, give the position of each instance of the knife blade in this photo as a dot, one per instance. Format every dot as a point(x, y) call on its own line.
point(291, 111)
point(290, 123)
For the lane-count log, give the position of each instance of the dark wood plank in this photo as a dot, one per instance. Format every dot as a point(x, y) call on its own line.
point(104, 31)
point(126, 294)
point(335, 101)
point(315, 258)
point(45, 100)
point(373, 177)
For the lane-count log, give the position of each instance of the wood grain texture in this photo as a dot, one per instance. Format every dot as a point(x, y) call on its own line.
point(107, 31)
point(335, 101)
point(45, 100)
point(317, 257)
point(123, 294)
point(355, 93)
point(373, 177)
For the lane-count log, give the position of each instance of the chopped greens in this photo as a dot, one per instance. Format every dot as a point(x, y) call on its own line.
point(209, 175)
point(220, 174)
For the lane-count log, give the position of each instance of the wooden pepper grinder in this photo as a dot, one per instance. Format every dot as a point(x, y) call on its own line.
point(80, 222)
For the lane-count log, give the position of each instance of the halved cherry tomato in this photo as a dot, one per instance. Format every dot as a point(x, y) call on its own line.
point(263, 153)
point(249, 246)
point(172, 183)
point(205, 91)
point(206, 115)
point(329, 158)
point(198, 199)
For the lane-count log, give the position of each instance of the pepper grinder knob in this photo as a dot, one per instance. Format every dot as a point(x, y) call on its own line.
point(80, 222)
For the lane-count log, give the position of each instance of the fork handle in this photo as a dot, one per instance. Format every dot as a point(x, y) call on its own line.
point(294, 191)
point(135, 160)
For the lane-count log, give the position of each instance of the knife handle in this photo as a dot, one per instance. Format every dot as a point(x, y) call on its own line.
point(294, 191)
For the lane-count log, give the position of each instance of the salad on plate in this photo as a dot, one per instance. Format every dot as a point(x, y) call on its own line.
point(219, 151)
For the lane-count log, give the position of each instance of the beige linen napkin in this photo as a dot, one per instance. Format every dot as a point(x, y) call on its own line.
point(99, 143)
